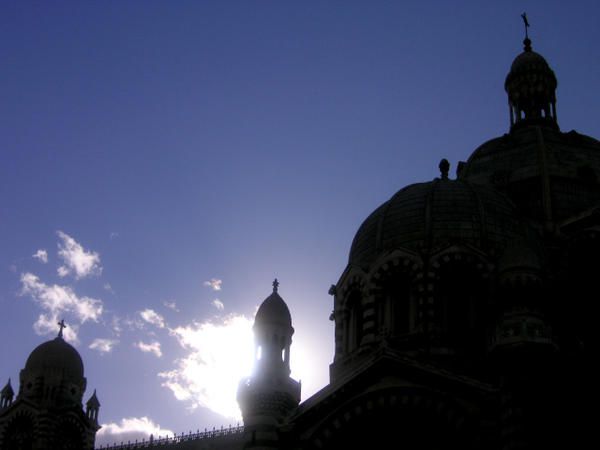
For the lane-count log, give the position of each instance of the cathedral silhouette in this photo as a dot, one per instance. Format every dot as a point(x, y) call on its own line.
point(462, 320)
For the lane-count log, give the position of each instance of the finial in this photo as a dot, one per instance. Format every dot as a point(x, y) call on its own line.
point(444, 168)
point(526, 41)
point(61, 326)
point(275, 285)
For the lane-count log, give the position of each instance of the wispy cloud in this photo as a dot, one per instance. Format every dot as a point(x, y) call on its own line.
point(153, 318)
point(103, 345)
point(76, 260)
point(214, 284)
point(152, 347)
point(108, 287)
point(115, 325)
point(113, 235)
point(218, 304)
point(57, 301)
point(41, 255)
point(171, 305)
point(130, 429)
point(220, 354)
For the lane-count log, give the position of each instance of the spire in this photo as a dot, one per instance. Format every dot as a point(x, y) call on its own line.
point(93, 401)
point(92, 407)
point(275, 285)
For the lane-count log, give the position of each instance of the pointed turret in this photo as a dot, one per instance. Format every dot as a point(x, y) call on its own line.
point(92, 408)
point(6, 396)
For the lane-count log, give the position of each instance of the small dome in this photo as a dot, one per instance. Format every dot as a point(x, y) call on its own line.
point(531, 88)
point(430, 216)
point(55, 356)
point(529, 60)
point(273, 310)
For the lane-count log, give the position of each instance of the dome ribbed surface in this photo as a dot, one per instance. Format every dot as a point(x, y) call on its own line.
point(55, 356)
point(273, 310)
point(428, 216)
point(529, 60)
point(513, 161)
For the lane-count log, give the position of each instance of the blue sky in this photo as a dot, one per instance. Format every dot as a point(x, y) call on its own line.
point(149, 149)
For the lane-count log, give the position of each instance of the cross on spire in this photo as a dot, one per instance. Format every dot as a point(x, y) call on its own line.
point(526, 41)
point(61, 326)
point(526, 22)
point(275, 285)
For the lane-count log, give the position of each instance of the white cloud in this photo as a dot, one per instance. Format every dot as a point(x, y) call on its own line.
point(152, 347)
point(103, 345)
point(130, 429)
point(60, 301)
point(214, 284)
point(77, 260)
point(218, 304)
point(153, 318)
point(220, 354)
point(113, 235)
point(108, 287)
point(171, 305)
point(41, 255)
point(47, 324)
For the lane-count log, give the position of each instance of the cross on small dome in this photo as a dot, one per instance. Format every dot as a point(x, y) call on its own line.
point(61, 326)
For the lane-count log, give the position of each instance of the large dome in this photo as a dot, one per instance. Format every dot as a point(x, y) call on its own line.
point(55, 357)
point(534, 163)
point(425, 217)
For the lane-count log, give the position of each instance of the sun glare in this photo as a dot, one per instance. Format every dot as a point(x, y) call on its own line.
point(221, 353)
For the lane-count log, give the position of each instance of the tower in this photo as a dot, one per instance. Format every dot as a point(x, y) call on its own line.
point(48, 412)
point(270, 394)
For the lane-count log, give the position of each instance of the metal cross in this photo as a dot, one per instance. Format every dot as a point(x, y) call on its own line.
point(526, 22)
point(61, 325)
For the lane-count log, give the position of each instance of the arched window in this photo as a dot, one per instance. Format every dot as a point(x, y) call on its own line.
point(402, 306)
point(355, 334)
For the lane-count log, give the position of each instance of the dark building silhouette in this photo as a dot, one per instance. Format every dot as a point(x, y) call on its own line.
point(462, 320)
point(48, 413)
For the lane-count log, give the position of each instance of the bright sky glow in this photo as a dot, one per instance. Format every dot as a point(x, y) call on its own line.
point(162, 162)
point(219, 354)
